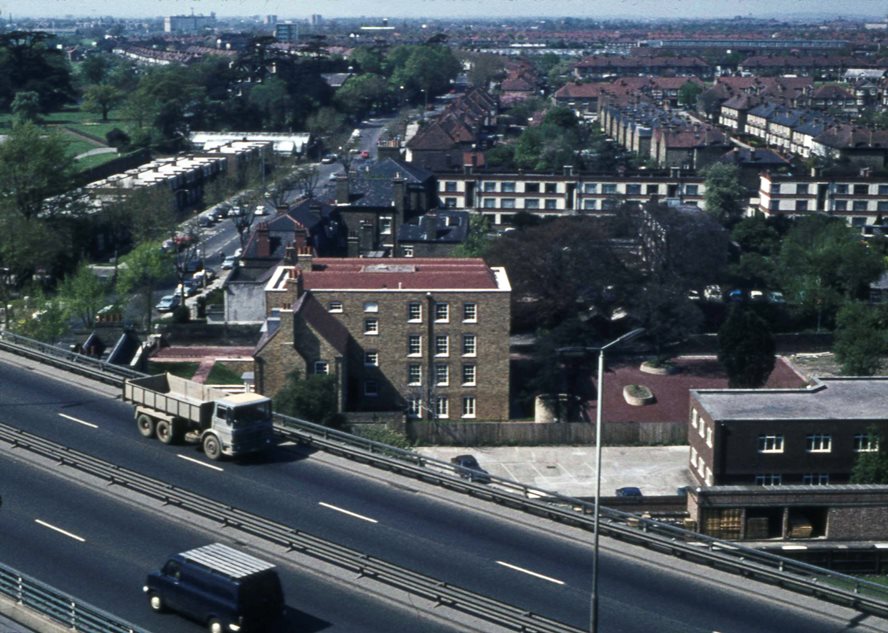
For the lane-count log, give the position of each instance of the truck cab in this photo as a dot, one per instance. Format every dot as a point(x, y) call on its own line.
point(242, 423)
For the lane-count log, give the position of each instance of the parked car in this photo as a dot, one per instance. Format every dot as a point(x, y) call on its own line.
point(775, 296)
point(712, 293)
point(328, 159)
point(202, 278)
point(365, 153)
point(168, 303)
point(469, 468)
point(260, 210)
point(229, 262)
point(629, 491)
point(205, 220)
point(736, 295)
point(756, 295)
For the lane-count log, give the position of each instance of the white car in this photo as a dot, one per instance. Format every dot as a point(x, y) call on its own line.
point(260, 210)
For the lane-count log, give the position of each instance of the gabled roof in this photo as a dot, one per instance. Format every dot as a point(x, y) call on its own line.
point(374, 187)
point(441, 227)
point(334, 332)
point(579, 91)
point(400, 274)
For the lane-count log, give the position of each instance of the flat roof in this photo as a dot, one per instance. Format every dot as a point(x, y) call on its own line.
point(828, 399)
point(231, 562)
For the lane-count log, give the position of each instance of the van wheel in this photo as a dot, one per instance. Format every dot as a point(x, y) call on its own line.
point(215, 626)
point(156, 602)
point(212, 448)
point(146, 425)
point(165, 431)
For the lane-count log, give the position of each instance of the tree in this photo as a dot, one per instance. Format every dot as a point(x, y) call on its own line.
point(101, 98)
point(95, 68)
point(140, 273)
point(324, 121)
point(666, 314)
point(477, 239)
point(26, 106)
point(273, 101)
point(688, 93)
point(861, 338)
point(362, 93)
point(746, 348)
point(725, 197)
point(29, 61)
point(871, 467)
point(82, 294)
point(312, 398)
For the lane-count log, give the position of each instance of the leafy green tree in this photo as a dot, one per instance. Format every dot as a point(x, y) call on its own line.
point(688, 93)
point(425, 71)
point(501, 156)
point(324, 121)
point(823, 263)
point(273, 101)
point(41, 318)
point(871, 467)
point(141, 271)
point(746, 348)
point(101, 98)
point(485, 68)
point(725, 197)
point(26, 106)
point(30, 61)
point(756, 234)
point(82, 294)
point(362, 93)
point(861, 338)
point(95, 68)
point(312, 398)
point(477, 239)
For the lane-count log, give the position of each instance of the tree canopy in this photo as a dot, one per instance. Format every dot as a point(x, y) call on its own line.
point(746, 348)
point(725, 197)
point(861, 338)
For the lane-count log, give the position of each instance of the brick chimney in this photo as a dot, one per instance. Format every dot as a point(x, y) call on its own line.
point(263, 243)
point(399, 195)
point(342, 192)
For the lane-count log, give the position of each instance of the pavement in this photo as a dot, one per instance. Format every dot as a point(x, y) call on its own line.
point(570, 470)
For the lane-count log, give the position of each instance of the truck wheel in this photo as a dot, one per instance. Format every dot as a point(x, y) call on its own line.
point(146, 425)
point(215, 626)
point(156, 602)
point(212, 448)
point(165, 431)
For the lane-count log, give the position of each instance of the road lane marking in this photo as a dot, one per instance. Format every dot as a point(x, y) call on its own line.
point(200, 463)
point(83, 422)
point(351, 514)
point(60, 530)
point(530, 573)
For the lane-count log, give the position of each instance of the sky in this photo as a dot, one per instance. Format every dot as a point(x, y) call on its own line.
point(393, 9)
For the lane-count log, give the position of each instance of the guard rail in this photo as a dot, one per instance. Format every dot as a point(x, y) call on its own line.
point(293, 539)
point(729, 556)
point(60, 607)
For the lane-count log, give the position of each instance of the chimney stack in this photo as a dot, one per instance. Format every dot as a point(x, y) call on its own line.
point(263, 243)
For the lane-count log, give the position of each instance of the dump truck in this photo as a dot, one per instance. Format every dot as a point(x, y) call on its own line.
point(175, 409)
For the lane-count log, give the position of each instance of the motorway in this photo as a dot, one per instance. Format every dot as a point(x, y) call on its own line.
point(527, 562)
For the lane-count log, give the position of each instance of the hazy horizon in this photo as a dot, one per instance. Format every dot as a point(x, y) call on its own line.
point(394, 9)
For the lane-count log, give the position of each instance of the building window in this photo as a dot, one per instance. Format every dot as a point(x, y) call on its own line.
point(815, 479)
point(371, 306)
point(858, 222)
point(590, 187)
point(652, 190)
point(633, 190)
point(507, 203)
point(551, 205)
point(414, 345)
point(469, 345)
point(442, 374)
point(414, 374)
point(841, 188)
point(770, 443)
point(371, 359)
point(861, 190)
point(768, 480)
point(442, 345)
point(819, 443)
point(442, 312)
point(608, 187)
point(407, 250)
point(841, 205)
point(691, 190)
point(468, 407)
point(709, 436)
point(866, 443)
point(489, 203)
point(551, 187)
point(590, 203)
point(488, 185)
point(371, 327)
point(801, 205)
point(532, 203)
point(450, 186)
point(414, 312)
point(450, 203)
point(468, 374)
point(859, 205)
point(385, 226)
point(414, 407)
point(802, 189)
point(470, 312)
point(882, 206)
point(507, 187)
point(371, 388)
point(334, 306)
point(442, 408)
point(321, 367)
point(531, 187)
point(702, 429)
point(883, 190)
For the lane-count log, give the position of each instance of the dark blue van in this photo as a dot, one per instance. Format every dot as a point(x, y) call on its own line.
point(221, 587)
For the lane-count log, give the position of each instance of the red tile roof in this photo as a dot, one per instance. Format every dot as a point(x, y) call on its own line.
point(399, 274)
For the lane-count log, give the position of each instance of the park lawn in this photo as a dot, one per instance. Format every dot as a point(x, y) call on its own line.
point(183, 369)
point(222, 374)
point(88, 162)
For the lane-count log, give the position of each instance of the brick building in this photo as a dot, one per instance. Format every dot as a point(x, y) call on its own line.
point(785, 436)
point(425, 336)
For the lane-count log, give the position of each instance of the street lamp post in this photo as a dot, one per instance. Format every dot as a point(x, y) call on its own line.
point(593, 610)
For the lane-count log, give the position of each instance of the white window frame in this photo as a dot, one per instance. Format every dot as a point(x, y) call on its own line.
point(407, 250)
point(414, 306)
point(470, 374)
point(770, 443)
point(414, 340)
point(414, 374)
point(442, 374)
point(414, 407)
point(371, 306)
point(371, 358)
point(468, 406)
point(442, 312)
point(334, 307)
point(442, 407)
point(866, 443)
point(470, 312)
point(371, 327)
point(815, 479)
point(818, 443)
point(442, 345)
point(385, 225)
point(768, 479)
point(470, 345)
point(321, 368)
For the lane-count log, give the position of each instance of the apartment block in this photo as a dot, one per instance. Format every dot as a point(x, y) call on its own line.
point(429, 337)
